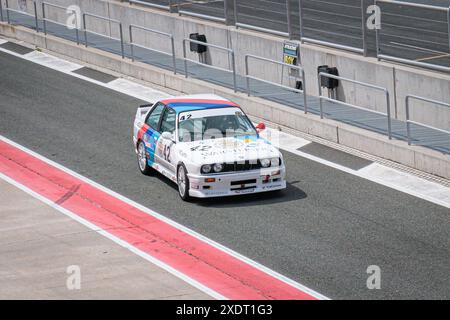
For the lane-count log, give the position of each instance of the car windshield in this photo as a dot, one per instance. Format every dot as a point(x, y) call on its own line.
point(213, 124)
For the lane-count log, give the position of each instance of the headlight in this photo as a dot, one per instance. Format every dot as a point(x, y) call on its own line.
point(274, 162)
point(206, 168)
point(218, 167)
point(265, 163)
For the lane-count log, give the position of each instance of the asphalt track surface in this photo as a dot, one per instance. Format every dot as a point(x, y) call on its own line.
point(323, 231)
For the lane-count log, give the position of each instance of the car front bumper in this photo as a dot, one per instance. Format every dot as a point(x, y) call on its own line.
point(236, 183)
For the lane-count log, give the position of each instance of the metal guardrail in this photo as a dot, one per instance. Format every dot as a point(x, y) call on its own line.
point(386, 92)
point(1, 10)
point(230, 53)
point(408, 121)
point(105, 19)
point(340, 25)
point(8, 9)
point(184, 3)
point(361, 48)
point(45, 19)
point(412, 61)
point(302, 71)
point(167, 4)
point(288, 32)
point(168, 35)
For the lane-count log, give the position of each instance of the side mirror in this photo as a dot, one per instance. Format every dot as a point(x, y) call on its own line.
point(167, 135)
point(260, 127)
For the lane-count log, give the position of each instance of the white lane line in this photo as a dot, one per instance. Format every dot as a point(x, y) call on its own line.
point(381, 179)
point(283, 140)
point(137, 90)
point(375, 172)
point(51, 61)
point(2, 41)
point(185, 229)
point(407, 181)
point(113, 238)
point(287, 142)
point(121, 85)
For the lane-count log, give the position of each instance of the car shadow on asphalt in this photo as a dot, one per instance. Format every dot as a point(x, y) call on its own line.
point(291, 193)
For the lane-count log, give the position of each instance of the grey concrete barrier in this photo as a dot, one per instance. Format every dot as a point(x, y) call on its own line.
point(414, 156)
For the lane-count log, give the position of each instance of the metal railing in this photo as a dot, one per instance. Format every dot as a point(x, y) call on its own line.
point(168, 35)
point(1, 10)
point(185, 3)
point(166, 4)
point(228, 50)
point(8, 10)
point(340, 25)
point(45, 19)
point(286, 33)
point(386, 92)
point(353, 43)
point(300, 69)
point(409, 122)
point(419, 47)
point(103, 35)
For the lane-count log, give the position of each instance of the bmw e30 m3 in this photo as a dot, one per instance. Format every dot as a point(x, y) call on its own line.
point(207, 146)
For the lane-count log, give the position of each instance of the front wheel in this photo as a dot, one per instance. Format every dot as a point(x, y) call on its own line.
point(142, 159)
point(183, 183)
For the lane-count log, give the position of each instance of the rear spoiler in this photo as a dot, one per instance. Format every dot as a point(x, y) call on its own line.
point(142, 110)
point(146, 105)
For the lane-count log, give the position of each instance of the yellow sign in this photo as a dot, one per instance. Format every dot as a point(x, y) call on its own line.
point(289, 59)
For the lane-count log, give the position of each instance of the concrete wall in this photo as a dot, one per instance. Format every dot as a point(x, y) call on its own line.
point(414, 156)
point(399, 80)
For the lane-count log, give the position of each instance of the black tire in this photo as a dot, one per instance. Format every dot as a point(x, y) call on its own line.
point(183, 183)
point(142, 159)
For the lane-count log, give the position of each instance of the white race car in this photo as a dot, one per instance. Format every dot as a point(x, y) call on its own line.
point(208, 146)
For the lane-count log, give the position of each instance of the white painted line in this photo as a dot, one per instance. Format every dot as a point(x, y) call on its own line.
point(2, 41)
point(407, 181)
point(121, 85)
point(51, 61)
point(283, 140)
point(113, 238)
point(380, 179)
point(137, 90)
point(192, 233)
point(375, 172)
point(288, 142)
point(25, 57)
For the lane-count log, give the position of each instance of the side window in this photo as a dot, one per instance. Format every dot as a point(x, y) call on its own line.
point(153, 118)
point(168, 121)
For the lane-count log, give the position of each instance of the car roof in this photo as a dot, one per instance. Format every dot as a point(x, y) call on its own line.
point(197, 102)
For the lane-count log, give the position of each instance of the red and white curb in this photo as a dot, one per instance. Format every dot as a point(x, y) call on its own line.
point(201, 262)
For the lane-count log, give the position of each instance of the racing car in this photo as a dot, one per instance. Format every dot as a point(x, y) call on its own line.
point(206, 145)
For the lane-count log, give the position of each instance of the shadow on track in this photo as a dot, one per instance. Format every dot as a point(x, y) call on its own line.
point(291, 193)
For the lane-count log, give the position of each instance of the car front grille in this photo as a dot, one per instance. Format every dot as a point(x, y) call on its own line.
point(242, 166)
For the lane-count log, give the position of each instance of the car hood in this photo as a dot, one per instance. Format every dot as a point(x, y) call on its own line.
point(228, 150)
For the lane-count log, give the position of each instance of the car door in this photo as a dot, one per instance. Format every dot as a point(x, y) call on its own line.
point(164, 148)
point(152, 135)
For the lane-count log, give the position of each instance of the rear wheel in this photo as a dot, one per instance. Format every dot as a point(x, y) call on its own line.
point(183, 183)
point(142, 159)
